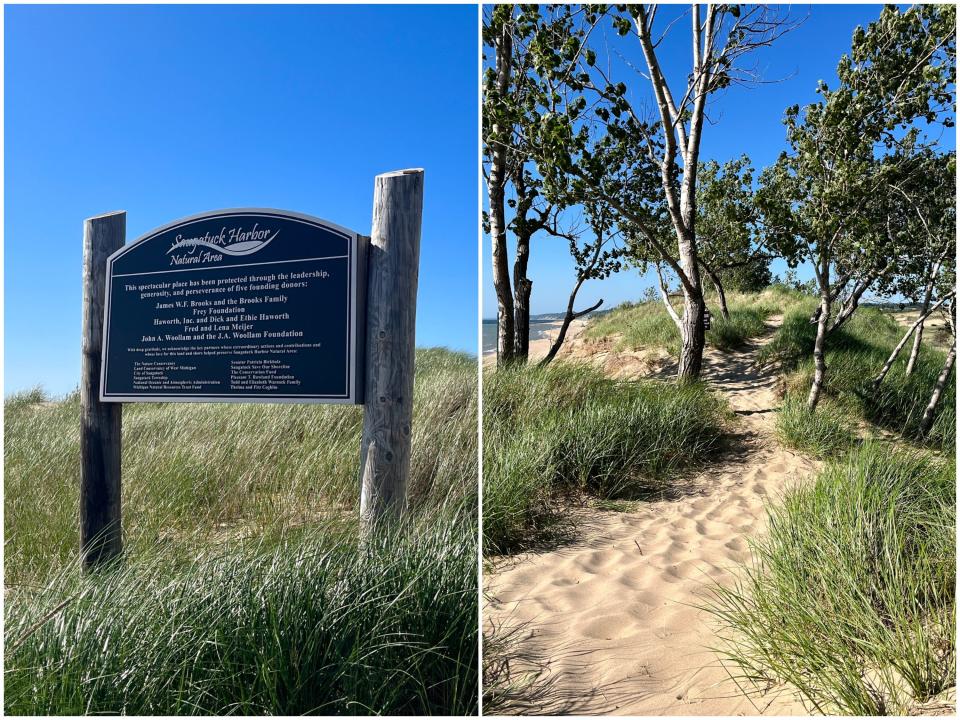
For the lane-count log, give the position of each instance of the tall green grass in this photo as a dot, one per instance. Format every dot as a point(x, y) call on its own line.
point(196, 474)
point(230, 512)
point(568, 429)
point(640, 325)
point(855, 354)
point(850, 596)
point(744, 324)
point(647, 324)
point(793, 340)
point(312, 624)
point(825, 432)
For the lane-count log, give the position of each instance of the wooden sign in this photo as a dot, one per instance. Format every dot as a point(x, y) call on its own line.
point(251, 306)
point(243, 305)
point(706, 319)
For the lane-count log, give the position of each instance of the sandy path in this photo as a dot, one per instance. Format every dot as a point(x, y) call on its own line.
point(609, 622)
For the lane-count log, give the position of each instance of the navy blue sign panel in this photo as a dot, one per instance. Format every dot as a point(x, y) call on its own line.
point(236, 306)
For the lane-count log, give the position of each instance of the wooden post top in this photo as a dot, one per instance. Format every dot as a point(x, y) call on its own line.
point(106, 215)
point(395, 173)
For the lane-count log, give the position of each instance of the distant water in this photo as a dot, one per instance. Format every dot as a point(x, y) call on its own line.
point(538, 331)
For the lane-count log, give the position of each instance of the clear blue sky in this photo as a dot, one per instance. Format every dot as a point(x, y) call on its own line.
point(169, 111)
point(742, 120)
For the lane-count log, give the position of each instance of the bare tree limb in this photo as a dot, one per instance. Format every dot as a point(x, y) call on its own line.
point(903, 341)
point(666, 299)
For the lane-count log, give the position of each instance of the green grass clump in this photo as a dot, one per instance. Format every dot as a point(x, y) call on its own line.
point(34, 395)
point(568, 429)
point(311, 625)
point(744, 324)
point(648, 325)
point(825, 432)
point(855, 354)
point(195, 473)
point(793, 341)
point(900, 401)
point(850, 596)
point(641, 325)
point(243, 589)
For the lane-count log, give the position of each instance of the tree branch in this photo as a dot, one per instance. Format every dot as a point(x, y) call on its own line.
point(666, 299)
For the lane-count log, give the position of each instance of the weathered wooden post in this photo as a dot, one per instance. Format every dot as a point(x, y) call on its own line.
point(392, 269)
point(100, 530)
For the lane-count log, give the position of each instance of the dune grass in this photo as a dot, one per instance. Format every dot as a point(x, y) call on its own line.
point(850, 596)
point(855, 354)
point(825, 432)
point(244, 588)
point(640, 325)
point(647, 325)
point(195, 474)
point(515, 676)
point(567, 429)
point(744, 324)
point(313, 624)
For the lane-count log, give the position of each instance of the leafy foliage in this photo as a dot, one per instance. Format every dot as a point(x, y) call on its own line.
point(526, 128)
point(835, 198)
point(752, 276)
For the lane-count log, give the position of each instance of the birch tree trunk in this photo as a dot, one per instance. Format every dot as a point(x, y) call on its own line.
point(691, 350)
point(501, 281)
point(819, 349)
point(665, 296)
point(496, 190)
point(522, 286)
point(926, 422)
point(916, 327)
point(682, 137)
point(915, 350)
point(721, 295)
point(850, 305)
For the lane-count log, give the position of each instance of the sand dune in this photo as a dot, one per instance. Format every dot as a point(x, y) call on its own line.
point(935, 329)
point(610, 624)
point(540, 347)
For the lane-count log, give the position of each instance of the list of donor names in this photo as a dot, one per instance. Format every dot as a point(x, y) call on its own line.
point(226, 331)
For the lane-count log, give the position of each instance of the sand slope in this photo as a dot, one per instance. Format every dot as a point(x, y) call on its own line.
point(538, 349)
point(609, 623)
